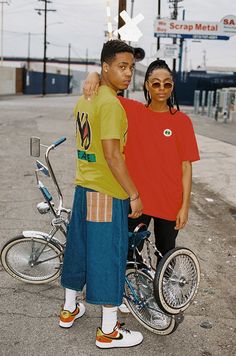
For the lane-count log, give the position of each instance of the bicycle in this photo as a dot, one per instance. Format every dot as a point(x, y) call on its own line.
point(176, 279)
point(36, 257)
point(139, 296)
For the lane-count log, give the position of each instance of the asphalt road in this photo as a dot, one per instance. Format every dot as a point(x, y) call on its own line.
point(29, 314)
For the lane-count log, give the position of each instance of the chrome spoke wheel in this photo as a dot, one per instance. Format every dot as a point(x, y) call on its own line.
point(141, 302)
point(32, 260)
point(176, 280)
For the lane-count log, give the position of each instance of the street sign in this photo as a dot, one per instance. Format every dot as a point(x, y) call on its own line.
point(222, 30)
point(168, 51)
point(194, 37)
point(130, 31)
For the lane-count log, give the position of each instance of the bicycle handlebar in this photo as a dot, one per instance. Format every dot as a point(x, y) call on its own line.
point(58, 142)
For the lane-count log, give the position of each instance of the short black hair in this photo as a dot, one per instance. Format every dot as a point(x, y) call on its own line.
point(112, 47)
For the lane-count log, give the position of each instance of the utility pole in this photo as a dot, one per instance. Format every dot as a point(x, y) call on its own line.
point(174, 16)
point(68, 73)
point(132, 9)
point(86, 61)
point(2, 8)
point(181, 45)
point(204, 58)
point(28, 59)
point(134, 73)
point(122, 7)
point(45, 10)
point(158, 17)
point(186, 63)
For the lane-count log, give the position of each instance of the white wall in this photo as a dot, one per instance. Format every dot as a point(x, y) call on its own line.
point(7, 80)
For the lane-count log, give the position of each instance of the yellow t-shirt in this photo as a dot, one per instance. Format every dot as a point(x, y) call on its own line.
point(103, 117)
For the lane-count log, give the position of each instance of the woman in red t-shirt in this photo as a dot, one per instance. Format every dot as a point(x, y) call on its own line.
point(160, 147)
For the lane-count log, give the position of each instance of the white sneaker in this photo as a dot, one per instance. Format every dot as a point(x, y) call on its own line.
point(67, 318)
point(123, 309)
point(119, 337)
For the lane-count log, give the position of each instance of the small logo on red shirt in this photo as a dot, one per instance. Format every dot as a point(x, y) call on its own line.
point(167, 132)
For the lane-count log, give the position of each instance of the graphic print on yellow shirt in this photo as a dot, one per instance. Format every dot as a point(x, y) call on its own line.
point(101, 118)
point(84, 129)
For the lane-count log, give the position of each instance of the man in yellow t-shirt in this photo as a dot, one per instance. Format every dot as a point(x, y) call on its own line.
point(92, 128)
point(97, 240)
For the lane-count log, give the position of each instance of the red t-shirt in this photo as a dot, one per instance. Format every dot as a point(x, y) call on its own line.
point(157, 143)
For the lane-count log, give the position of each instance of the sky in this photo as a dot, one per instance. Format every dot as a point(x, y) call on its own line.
point(83, 23)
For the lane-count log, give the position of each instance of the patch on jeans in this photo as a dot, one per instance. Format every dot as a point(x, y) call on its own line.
point(99, 207)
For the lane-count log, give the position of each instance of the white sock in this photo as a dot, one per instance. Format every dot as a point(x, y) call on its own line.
point(70, 299)
point(109, 319)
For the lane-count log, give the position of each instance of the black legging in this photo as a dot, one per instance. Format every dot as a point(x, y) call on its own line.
point(164, 232)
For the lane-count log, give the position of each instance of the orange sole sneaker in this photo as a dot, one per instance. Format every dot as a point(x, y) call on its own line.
point(67, 318)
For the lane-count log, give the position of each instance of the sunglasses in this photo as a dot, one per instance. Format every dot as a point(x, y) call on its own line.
point(157, 85)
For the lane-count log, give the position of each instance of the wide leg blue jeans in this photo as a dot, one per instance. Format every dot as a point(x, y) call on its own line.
point(96, 252)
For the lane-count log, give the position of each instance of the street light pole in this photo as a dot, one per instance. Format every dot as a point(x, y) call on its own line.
point(45, 10)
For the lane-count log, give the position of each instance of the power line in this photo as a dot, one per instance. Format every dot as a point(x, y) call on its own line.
point(24, 33)
point(58, 45)
point(20, 8)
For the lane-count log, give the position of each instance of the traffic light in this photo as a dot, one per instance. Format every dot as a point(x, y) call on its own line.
point(139, 54)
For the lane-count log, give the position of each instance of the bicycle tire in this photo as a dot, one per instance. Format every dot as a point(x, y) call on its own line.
point(146, 310)
point(176, 280)
point(17, 259)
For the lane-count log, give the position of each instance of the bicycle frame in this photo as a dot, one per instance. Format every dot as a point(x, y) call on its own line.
point(59, 223)
point(139, 235)
point(48, 171)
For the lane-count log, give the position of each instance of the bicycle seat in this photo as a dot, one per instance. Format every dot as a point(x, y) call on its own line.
point(139, 234)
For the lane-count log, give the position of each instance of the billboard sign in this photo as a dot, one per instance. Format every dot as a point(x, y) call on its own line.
point(222, 30)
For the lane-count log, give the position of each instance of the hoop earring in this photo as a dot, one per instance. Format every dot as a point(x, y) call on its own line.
point(148, 96)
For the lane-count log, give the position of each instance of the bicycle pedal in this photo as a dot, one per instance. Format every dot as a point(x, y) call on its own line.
point(179, 318)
